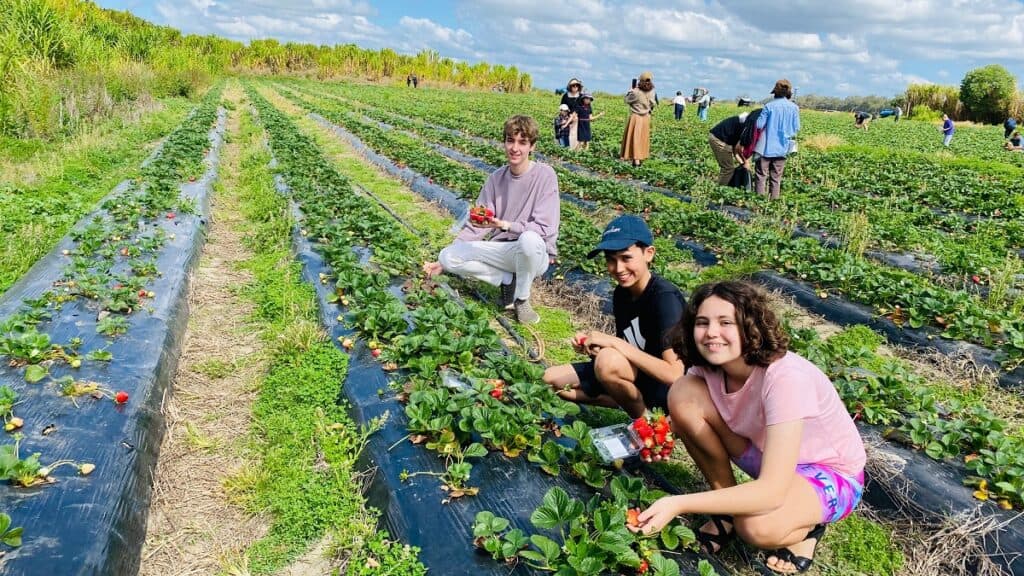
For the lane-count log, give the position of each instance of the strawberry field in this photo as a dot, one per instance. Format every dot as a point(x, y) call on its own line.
point(898, 267)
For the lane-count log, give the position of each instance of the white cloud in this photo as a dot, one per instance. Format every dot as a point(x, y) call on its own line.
point(735, 47)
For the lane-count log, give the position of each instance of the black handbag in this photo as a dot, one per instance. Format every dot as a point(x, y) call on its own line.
point(740, 178)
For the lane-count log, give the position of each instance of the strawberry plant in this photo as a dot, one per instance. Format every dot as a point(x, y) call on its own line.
point(8, 535)
point(593, 537)
point(19, 471)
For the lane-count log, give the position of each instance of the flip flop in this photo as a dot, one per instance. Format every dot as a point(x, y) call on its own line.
point(713, 543)
point(802, 563)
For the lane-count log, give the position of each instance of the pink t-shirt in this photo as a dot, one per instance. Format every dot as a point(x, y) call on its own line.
point(791, 388)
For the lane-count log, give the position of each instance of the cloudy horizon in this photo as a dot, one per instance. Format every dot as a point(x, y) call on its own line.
point(734, 47)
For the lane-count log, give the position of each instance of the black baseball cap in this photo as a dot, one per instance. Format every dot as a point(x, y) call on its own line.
point(621, 233)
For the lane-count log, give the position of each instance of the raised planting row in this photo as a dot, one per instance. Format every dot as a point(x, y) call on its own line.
point(904, 298)
point(932, 491)
point(893, 396)
point(89, 339)
point(480, 430)
point(972, 250)
point(44, 194)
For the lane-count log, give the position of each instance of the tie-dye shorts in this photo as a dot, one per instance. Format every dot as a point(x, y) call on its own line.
point(839, 494)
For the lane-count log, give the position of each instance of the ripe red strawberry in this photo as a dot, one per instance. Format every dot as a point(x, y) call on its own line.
point(497, 393)
point(976, 279)
point(170, 215)
point(644, 567)
point(375, 352)
point(121, 397)
point(142, 293)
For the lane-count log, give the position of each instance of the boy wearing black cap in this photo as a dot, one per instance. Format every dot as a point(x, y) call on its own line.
point(634, 368)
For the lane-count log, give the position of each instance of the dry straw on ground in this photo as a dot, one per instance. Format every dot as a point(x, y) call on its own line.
point(193, 529)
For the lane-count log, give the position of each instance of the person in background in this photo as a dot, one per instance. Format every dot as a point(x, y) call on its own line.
point(724, 139)
point(680, 105)
point(746, 400)
point(571, 98)
point(634, 368)
point(780, 120)
point(562, 123)
point(520, 241)
point(1009, 126)
point(584, 116)
point(897, 114)
point(703, 103)
point(947, 130)
point(1014, 143)
point(861, 119)
point(636, 139)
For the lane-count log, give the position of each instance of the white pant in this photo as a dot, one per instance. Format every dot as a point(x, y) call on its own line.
point(495, 262)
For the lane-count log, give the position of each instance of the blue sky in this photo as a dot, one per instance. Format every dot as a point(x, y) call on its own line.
point(734, 47)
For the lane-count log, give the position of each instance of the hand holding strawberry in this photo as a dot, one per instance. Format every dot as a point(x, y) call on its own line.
point(579, 342)
point(480, 214)
point(655, 436)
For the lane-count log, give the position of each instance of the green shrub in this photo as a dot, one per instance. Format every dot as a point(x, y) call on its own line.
point(923, 112)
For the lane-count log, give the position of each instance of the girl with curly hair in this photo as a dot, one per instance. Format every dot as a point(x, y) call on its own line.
point(747, 400)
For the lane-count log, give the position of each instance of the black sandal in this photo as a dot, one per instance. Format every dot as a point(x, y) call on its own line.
point(801, 563)
point(721, 539)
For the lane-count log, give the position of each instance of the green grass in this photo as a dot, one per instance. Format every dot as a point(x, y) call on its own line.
point(857, 545)
point(306, 479)
point(33, 218)
point(433, 225)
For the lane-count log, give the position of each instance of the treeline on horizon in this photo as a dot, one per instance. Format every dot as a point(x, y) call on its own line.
point(66, 63)
point(988, 94)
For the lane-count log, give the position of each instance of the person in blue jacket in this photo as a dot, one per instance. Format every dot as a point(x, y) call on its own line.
point(780, 120)
point(1009, 126)
point(947, 130)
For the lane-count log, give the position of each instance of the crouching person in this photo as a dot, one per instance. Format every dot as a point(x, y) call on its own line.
point(748, 401)
point(634, 368)
point(517, 243)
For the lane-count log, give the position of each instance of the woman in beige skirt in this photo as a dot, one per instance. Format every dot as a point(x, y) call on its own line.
point(636, 140)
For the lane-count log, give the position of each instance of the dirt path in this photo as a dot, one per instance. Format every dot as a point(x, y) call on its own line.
point(193, 528)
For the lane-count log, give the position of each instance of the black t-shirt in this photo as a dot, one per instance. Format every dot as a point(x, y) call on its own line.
point(862, 116)
point(728, 130)
point(573, 102)
point(646, 321)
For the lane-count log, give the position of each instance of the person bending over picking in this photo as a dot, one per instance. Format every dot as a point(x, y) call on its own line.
point(634, 368)
point(517, 241)
point(747, 400)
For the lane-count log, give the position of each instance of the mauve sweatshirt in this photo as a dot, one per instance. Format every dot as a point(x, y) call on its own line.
point(527, 202)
